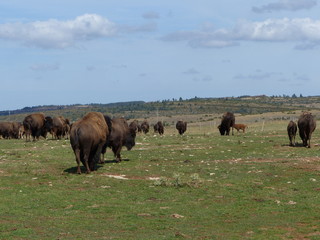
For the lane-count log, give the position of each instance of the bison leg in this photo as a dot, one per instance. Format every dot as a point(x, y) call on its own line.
point(227, 132)
point(103, 151)
point(309, 141)
point(86, 162)
point(101, 159)
point(118, 159)
point(116, 151)
point(77, 153)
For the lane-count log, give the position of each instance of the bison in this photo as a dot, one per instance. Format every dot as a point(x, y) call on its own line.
point(306, 124)
point(181, 126)
point(6, 129)
point(158, 127)
point(11, 129)
point(145, 127)
point(135, 125)
point(60, 127)
point(292, 131)
point(87, 137)
point(239, 127)
point(227, 122)
point(120, 135)
point(36, 125)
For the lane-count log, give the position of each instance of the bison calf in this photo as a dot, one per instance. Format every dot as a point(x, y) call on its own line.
point(292, 131)
point(240, 126)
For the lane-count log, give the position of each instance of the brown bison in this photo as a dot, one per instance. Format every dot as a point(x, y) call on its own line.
point(87, 137)
point(60, 127)
point(120, 135)
point(181, 126)
point(11, 130)
point(6, 129)
point(158, 127)
point(306, 124)
point(292, 131)
point(239, 127)
point(145, 127)
point(227, 122)
point(36, 125)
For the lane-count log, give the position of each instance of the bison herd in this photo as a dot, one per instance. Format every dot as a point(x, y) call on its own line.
point(91, 135)
point(306, 125)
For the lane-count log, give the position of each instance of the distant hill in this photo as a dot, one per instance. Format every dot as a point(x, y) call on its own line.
point(141, 109)
point(48, 108)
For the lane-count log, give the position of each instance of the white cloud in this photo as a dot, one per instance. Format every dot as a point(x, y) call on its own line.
point(289, 5)
point(58, 34)
point(302, 31)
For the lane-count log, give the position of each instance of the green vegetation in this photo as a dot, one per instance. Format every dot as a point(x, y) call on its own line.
point(197, 186)
point(167, 108)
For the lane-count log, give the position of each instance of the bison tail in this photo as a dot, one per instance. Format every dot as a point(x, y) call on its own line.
point(109, 122)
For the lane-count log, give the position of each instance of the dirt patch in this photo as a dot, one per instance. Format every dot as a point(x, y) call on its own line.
point(126, 177)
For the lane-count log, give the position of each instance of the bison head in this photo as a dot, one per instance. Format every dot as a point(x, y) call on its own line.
point(222, 130)
point(47, 127)
point(131, 139)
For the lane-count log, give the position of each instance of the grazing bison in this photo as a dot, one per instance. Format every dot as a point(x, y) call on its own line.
point(6, 129)
point(158, 127)
point(11, 129)
point(60, 127)
point(87, 137)
point(240, 126)
point(306, 124)
point(145, 127)
point(135, 125)
point(292, 131)
point(120, 135)
point(181, 126)
point(227, 122)
point(36, 125)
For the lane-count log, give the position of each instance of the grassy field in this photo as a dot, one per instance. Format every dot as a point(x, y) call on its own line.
point(197, 186)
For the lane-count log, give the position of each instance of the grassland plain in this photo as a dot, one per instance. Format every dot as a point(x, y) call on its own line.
point(197, 186)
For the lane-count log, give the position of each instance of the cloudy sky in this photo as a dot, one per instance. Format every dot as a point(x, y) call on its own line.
point(80, 51)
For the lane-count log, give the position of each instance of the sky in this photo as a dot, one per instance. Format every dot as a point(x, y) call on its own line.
point(62, 52)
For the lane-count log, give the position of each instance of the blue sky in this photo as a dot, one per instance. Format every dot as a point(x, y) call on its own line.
point(74, 51)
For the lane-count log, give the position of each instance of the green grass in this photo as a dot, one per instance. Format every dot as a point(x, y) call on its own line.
point(203, 186)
